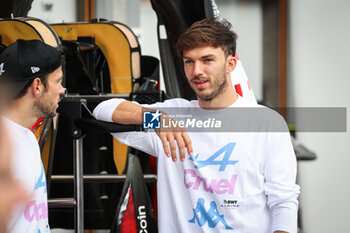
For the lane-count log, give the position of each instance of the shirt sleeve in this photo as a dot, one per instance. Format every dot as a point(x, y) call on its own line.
point(280, 177)
point(104, 110)
point(143, 141)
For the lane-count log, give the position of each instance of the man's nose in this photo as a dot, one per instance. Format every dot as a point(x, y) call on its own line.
point(197, 69)
point(63, 92)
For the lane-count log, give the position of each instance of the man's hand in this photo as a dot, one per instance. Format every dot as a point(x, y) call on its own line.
point(131, 113)
point(171, 134)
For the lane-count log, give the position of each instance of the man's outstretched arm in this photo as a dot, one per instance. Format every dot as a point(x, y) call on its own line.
point(131, 113)
point(128, 113)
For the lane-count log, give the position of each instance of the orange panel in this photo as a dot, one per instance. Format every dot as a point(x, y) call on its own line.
point(11, 30)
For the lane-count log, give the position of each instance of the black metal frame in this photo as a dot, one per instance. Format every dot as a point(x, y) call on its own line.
point(75, 108)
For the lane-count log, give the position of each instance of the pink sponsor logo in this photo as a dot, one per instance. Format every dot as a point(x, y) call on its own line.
point(35, 211)
point(194, 181)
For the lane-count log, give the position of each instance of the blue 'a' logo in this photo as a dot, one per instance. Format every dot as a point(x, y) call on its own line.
point(41, 182)
point(151, 119)
point(226, 150)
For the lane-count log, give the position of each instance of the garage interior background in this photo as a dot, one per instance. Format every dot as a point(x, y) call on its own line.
point(318, 76)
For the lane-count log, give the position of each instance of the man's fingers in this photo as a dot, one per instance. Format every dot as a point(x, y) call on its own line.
point(165, 143)
point(172, 145)
point(181, 145)
point(188, 143)
point(172, 140)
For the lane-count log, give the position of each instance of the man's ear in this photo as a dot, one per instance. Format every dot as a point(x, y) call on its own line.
point(231, 63)
point(37, 87)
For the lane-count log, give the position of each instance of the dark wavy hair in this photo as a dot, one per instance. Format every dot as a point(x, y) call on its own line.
point(208, 32)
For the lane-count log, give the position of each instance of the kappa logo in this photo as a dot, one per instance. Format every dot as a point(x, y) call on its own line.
point(212, 216)
point(2, 69)
point(35, 69)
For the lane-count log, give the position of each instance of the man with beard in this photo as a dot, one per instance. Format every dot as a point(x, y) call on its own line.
point(11, 191)
point(32, 72)
point(239, 181)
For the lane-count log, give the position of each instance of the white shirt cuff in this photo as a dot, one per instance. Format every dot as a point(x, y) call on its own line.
point(104, 111)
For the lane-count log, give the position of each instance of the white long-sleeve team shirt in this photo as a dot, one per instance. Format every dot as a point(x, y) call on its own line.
point(32, 216)
point(241, 182)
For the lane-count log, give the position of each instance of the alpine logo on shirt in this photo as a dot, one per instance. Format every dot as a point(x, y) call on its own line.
point(211, 160)
point(37, 211)
point(41, 182)
point(201, 213)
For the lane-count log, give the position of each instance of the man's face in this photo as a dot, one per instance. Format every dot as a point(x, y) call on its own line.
point(47, 104)
point(206, 71)
point(11, 192)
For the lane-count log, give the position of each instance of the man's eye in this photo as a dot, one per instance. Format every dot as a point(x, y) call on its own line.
point(188, 61)
point(208, 60)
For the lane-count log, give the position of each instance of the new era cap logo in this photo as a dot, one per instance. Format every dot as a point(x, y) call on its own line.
point(35, 69)
point(2, 69)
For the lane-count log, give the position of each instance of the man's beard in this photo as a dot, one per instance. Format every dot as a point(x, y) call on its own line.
point(44, 109)
point(219, 85)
